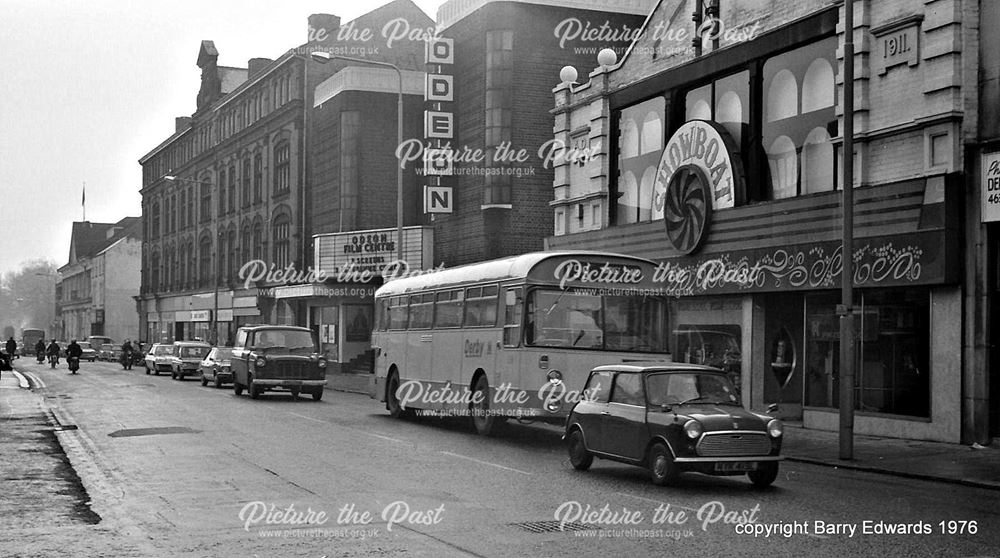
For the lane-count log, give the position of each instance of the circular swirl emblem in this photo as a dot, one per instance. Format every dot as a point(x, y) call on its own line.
point(687, 207)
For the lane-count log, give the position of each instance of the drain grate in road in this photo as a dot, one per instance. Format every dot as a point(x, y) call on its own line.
point(551, 526)
point(153, 431)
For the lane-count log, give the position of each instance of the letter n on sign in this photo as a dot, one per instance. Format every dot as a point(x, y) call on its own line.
point(437, 199)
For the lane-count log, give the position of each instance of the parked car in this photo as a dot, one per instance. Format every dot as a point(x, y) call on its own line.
point(186, 357)
point(158, 358)
point(671, 418)
point(269, 357)
point(216, 367)
point(88, 352)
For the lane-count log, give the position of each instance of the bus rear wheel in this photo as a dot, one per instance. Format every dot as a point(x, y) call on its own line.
point(396, 409)
point(485, 423)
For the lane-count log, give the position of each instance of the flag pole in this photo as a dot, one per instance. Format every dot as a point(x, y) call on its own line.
point(83, 202)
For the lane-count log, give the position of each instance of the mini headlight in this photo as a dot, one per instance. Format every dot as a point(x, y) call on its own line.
point(693, 429)
point(554, 376)
point(321, 363)
point(775, 429)
point(261, 361)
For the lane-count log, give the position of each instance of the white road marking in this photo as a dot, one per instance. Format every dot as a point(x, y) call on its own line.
point(309, 418)
point(485, 463)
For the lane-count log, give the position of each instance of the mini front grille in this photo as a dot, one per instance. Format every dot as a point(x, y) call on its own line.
point(734, 444)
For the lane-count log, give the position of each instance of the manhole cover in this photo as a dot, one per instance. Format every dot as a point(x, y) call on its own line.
point(551, 526)
point(153, 431)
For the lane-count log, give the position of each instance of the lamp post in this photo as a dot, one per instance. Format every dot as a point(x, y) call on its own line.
point(846, 309)
point(213, 334)
point(324, 57)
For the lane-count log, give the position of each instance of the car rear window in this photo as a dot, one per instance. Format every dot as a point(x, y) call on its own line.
point(192, 352)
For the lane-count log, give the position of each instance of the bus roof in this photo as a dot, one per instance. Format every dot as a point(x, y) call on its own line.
point(515, 267)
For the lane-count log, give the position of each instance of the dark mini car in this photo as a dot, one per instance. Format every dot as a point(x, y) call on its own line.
point(269, 357)
point(216, 367)
point(672, 418)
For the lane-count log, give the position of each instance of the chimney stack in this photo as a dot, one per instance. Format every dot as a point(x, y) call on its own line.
point(257, 65)
point(323, 28)
point(181, 123)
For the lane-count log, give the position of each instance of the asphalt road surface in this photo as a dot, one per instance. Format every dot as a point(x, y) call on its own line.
point(176, 469)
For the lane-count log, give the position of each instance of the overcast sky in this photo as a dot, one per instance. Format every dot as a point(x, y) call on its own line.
point(89, 86)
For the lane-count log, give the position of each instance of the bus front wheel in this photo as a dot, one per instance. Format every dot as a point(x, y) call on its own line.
point(396, 409)
point(483, 421)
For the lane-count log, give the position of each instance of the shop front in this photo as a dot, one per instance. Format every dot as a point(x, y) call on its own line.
point(190, 317)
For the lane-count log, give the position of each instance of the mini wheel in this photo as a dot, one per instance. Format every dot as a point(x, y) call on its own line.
point(579, 456)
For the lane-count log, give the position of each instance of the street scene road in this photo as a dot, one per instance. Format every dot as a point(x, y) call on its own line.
point(171, 468)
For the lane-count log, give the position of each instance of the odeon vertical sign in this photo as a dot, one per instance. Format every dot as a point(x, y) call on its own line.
point(439, 126)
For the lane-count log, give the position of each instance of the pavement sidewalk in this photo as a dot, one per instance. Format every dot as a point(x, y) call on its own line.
point(936, 461)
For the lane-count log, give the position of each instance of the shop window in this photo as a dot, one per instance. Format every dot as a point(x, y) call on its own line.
point(717, 345)
point(641, 138)
point(892, 373)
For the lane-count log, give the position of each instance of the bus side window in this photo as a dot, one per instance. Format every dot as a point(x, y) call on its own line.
point(513, 305)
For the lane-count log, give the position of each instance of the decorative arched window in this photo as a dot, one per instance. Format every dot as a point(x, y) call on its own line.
point(818, 87)
point(817, 162)
point(783, 161)
point(222, 192)
point(782, 97)
point(231, 206)
point(154, 273)
point(245, 179)
point(247, 243)
point(205, 259)
point(281, 241)
point(282, 167)
point(257, 241)
point(232, 255)
point(652, 134)
point(154, 229)
point(628, 199)
point(258, 176)
point(629, 145)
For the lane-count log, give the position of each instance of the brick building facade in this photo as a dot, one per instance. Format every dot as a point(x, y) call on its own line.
point(506, 56)
point(724, 167)
point(226, 198)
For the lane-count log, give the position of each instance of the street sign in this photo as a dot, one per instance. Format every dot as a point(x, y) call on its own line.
point(991, 187)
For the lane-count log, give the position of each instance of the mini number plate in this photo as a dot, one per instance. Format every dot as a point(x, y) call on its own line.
point(733, 466)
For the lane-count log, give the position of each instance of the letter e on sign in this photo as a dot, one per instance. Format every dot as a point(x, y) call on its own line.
point(437, 199)
point(438, 125)
point(438, 89)
point(441, 51)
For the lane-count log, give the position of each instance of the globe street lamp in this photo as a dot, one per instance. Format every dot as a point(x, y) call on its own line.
point(324, 57)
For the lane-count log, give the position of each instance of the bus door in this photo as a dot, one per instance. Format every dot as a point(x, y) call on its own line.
point(419, 361)
point(510, 361)
point(479, 346)
point(448, 342)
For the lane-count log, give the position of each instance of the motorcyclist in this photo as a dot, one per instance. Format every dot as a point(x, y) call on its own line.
point(40, 350)
point(73, 350)
point(127, 351)
point(12, 348)
point(53, 351)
